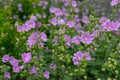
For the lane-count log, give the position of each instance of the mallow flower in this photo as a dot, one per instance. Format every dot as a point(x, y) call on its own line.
point(26, 57)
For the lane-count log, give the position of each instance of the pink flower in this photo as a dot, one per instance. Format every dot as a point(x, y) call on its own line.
point(76, 40)
point(74, 4)
point(70, 24)
point(43, 36)
point(114, 2)
point(46, 74)
point(87, 38)
point(85, 19)
point(26, 57)
point(7, 75)
point(110, 26)
point(32, 39)
point(5, 58)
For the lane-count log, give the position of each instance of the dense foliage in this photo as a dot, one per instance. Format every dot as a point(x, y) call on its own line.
point(59, 39)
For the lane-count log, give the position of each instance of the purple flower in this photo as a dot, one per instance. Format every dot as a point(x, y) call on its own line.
point(76, 10)
point(46, 74)
point(33, 18)
point(77, 27)
point(74, 4)
point(87, 56)
point(102, 19)
point(85, 19)
point(67, 39)
point(78, 56)
point(39, 24)
point(5, 58)
point(58, 12)
point(53, 66)
point(114, 2)
point(117, 32)
point(43, 36)
point(75, 60)
point(70, 24)
point(61, 22)
point(30, 24)
point(32, 39)
point(76, 40)
point(22, 67)
point(52, 9)
point(26, 57)
point(86, 38)
point(7, 75)
point(16, 69)
point(76, 18)
point(20, 7)
point(54, 21)
point(13, 61)
point(110, 26)
point(33, 70)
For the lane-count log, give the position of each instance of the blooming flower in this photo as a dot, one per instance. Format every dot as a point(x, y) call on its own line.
point(46, 74)
point(85, 19)
point(58, 12)
point(33, 70)
point(78, 56)
point(70, 24)
point(7, 75)
point(33, 18)
point(26, 57)
point(13, 61)
point(77, 27)
point(110, 26)
point(5, 58)
point(74, 4)
point(54, 21)
point(52, 9)
point(16, 69)
point(61, 22)
point(53, 66)
point(39, 24)
point(32, 39)
point(76, 40)
point(43, 36)
point(75, 60)
point(87, 56)
point(76, 10)
point(114, 2)
point(67, 39)
point(102, 19)
point(86, 38)
point(20, 28)
point(28, 25)
point(76, 18)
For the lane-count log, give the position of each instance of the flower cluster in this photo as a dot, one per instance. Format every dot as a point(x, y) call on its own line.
point(78, 56)
point(30, 24)
point(13, 62)
point(63, 39)
point(110, 25)
point(36, 38)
